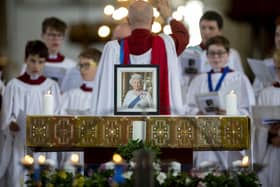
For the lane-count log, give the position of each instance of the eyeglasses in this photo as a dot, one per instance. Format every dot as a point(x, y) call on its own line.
point(214, 53)
point(86, 65)
point(54, 35)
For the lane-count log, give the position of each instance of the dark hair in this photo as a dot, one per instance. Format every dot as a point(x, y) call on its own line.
point(91, 53)
point(218, 40)
point(213, 16)
point(277, 22)
point(36, 47)
point(54, 23)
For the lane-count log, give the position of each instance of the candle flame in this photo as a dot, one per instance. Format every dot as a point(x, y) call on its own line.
point(245, 161)
point(41, 159)
point(232, 92)
point(117, 158)
point(49, 92)
point(75, 158)
point(27, 159)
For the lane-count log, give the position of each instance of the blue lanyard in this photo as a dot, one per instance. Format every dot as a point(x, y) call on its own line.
point(219, 84)
point(122, 52)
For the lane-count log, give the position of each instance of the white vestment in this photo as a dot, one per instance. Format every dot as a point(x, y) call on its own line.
point(234, 63)
point(76, 102)
point(145, 100)
point(65, 72)
point(265, 153)
point(199, 85)
point(103, 99)
point(20, 96)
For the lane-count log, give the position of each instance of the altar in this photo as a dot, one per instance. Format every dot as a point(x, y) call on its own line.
point(98, 136)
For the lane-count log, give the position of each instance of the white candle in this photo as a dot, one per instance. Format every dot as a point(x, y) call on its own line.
point(48, 104)
point(231, 103)
point(139, 128)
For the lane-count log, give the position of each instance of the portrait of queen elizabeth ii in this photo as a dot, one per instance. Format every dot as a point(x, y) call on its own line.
point(137, 96)
point(136, 90)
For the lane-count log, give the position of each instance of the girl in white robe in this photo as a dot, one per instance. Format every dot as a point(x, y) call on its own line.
point(24, 94)
point(217, 52)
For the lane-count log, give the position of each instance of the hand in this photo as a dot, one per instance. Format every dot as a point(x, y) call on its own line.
point(14, 127)
point(164, 8)
point(276, 141)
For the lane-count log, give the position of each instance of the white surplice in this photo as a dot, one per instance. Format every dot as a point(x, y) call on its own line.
point(103, 99)
point(234, 62)
point(200, 86)
point(76, 102)
point(20, 96)
point(265, 153)
point(71, 75)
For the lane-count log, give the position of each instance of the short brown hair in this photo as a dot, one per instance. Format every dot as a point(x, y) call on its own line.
point(54, 23)
point(218, 40)
point(36, 47)
point(91, 53)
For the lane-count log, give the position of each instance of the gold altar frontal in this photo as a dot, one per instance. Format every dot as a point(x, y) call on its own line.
point(195, 132)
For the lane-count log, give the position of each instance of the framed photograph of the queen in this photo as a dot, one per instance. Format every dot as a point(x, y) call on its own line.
point(136, 90)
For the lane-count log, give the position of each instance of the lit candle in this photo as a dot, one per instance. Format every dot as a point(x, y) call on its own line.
point(48, 104)
point(245, 161)
point(138, 130)
point(75, 159)
point(231, 103)
point(119, 167)
point(41, 159)
point(27, 160)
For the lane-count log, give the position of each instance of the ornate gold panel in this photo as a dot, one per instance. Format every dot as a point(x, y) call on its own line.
point(197, 132)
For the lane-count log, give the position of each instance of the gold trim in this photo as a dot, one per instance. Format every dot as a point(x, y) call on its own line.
point(197, 132)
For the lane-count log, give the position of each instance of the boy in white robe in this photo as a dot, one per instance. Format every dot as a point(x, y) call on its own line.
point(78, 101)
point(24, 94)
point(267, 139)
point(58, 66)
point(220, 79)
point(210, 24)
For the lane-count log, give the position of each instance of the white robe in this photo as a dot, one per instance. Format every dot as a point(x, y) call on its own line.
point(76, 102)
point(103, 99)
point(20, 96)
point(144, 102)
point(234, 62)
point(71, 79)
point(266, 153)
point(199, 86)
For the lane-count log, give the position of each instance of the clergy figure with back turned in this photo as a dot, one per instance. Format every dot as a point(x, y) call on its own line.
point(24, 95)
point(143, 47)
